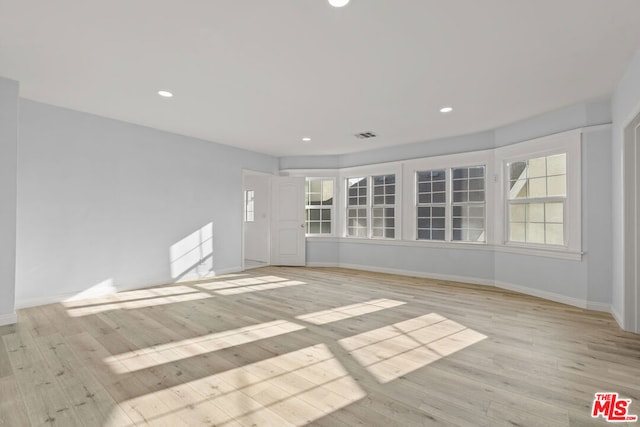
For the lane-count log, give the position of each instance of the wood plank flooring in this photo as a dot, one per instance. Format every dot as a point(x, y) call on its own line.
point(279, 346)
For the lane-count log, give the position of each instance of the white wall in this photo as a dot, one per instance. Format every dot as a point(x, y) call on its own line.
point(256, 237)
point(103, 202)
point(8, 176)
point(625, 106)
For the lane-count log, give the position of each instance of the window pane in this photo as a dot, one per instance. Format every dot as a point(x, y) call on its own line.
point(326, 228)
point(557, 185)
point(314, 198)
point(460, 196)
point(517, 212)
point(554, 234)
point(537, 187)
point(326, 214)
point(437, 235)
point(476, 196)
point(518, 189)
point(554, 212)
point(460, 184)
point(314, 227)
point(439, 198)
point(516, 232)
point(314, 214)
point(476, 235)
point(537, 167)
point(476, 172)
point(424, 198)
point(476, 184)
point(327, 192)
point(535, 233)
point(557, 165)
point(535, 212)
point(424, 234)
point(518, 171)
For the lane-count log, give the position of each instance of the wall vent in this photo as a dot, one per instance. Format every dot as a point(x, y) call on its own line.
point(365, 135)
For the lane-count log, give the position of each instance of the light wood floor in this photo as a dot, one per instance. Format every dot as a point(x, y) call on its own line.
point(331, 347)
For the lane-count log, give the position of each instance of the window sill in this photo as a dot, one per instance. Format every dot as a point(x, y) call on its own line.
point(540, 252)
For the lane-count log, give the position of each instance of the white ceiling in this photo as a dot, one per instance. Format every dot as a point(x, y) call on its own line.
point(261, 74)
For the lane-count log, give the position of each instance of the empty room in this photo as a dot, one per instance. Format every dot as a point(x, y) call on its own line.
point(320, 212)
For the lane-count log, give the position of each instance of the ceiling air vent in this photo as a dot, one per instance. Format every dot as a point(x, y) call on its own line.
point(365, 135)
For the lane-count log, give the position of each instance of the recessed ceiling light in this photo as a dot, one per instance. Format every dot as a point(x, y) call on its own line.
point(338, 3)
point(306, 139)
point(446, 109)
point(165, 93)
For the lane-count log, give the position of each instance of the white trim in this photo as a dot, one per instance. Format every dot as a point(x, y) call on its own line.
point(596, 128)
point(53, 299)
point(8, 319)
point(551, 296)
point(547, 253)
point(420, 274)
point(323, 264)
point(599, 306)
point(617, 316)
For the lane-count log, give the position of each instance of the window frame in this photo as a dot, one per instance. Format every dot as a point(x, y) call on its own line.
point(369, 172)
point(319, 207)
point(449, 203)
point(249, 202)
point(566, 142)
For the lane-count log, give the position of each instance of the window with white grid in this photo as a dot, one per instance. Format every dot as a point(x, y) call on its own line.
point(319, 204)
point(537, 195)
point(383, 206)
point(249, 205)
point(468, 204)
point(357, 206)
point(431, 201)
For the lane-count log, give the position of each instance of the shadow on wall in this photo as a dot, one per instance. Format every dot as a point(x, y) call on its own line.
point(192, 257)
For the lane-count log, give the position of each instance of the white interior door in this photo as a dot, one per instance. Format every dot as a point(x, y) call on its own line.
point(287, 221)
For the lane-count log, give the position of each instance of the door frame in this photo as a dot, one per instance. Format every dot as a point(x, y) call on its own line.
point(247, 172)
point(631, 221)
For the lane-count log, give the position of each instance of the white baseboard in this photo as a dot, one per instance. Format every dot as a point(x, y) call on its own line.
point(421, 274)
point(551, 296)
point(50, 299)
point(617, 317)
point(322, 264)
point(599, 306)
point(8, 319)
point(53, 299)
point(576, 302)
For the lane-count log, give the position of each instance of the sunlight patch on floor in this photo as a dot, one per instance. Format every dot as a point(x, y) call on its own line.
point(395, 350)
point(134, 304)
point(259, 287)
point(292, 389)
point(174, 351)
point(349, 311)
point(235, 283)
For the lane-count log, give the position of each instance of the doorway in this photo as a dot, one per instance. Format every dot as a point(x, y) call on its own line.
point(256, 219)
